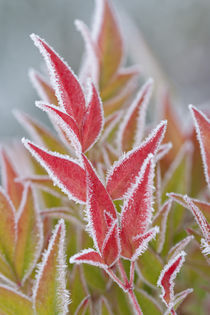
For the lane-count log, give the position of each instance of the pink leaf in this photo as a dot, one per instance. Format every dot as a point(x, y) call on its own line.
point(141, 242)
point(66, 173)
point(66, 123)
point(137, 209)
point(93, 120)
point(67, 87)
point(177, 248)
point(111, 245)
point(98, 201)
point(167, 276)
point(124, 171)
point(202, 125)
point(199, 217)
point(88, 256)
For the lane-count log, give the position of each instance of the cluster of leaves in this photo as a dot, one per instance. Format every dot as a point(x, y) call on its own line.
point(100, 213)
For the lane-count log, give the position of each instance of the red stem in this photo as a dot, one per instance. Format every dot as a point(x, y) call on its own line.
point(132, 271)
point(134, 302)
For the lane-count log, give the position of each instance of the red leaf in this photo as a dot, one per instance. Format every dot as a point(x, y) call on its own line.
point(88, 256)
point(65, 122)
point(9, 174)
point(111, 245)
point(124, 171)
point(98, 202)
point(167, 276)
point(93, 120)
point(66, 173)
point(202, 125)
point(137, 209)
point(67, 87)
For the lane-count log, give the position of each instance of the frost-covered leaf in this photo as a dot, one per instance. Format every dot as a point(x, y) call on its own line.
point(65, 122)
point(122, 174)
point(43, 88)
point(111, 245)
point(99, 206)
point(29, 235)
point(167, 277)
point(8, 228)
point(108, 38)
point(49, 293)
point(180, 246)
point(14, 303)
point(82, 308)
point(202, 125)
point(132, 128)
point(66, 173)
point(9, 174)
point(88, 256)
point(93, 120)
point(137, 209)
point(67, 87)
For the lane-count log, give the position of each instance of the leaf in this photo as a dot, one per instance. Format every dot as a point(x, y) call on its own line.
point(29, 236)
point(43, 88)
point(40, 133)
point(83, 306)
point(13, 302)
point(88, 256)
point(66, 85)
point(132, 127)
point(111, 245)
point(66, 173)
point(137, 209)
point(9, 174)
point(49, 292)
point(108, 38)
point(167, 276)
point(65, 122)
point(147, 262)
point(147, 303)
point(8, 228)
point(177, 248)
point(202, 125)
point(99, 204)
point(123, 172)
point(93, 120)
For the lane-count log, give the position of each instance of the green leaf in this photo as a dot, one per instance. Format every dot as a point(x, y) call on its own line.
point(14, 303)
point(147, 303)
point(29, 236)
point(49, 293)
point(150, 266)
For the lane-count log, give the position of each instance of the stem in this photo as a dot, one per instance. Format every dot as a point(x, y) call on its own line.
point(134, 302)
point(115, 278)
point(132, 271)
point(122, 272)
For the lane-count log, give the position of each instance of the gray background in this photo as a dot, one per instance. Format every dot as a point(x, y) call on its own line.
point(177, 32)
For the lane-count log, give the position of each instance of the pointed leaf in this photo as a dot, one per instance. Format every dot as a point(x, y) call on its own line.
point(9, 174)
point(29, 235)
point(132, 127)
point(8, 227)
point(137, 209)
point(88, 256)
point(124, 171)
point(49, 293)
point(202, 125)
point(111, 245)
point(66, 173)
point(67, 87)
point(167, 276)
point(98, 202)
point(180, 246)
point(81, 309)
point(13, 302)
point(93, 120)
